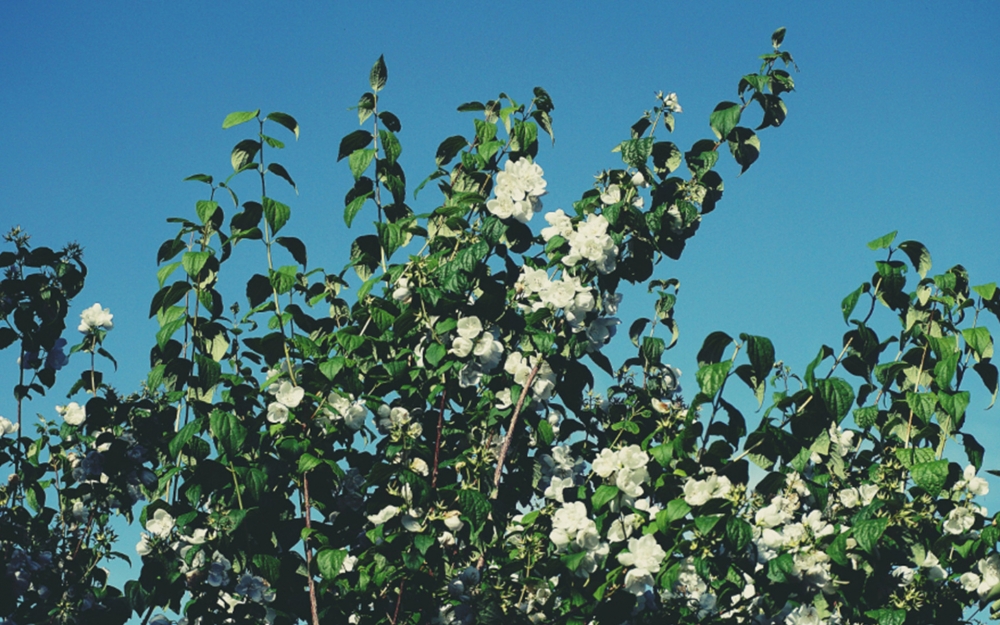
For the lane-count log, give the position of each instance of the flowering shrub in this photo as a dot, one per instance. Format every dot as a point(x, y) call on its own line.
point(434, 448)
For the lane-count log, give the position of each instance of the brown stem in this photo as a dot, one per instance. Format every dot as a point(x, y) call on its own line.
point(312, 585)
point(399, 601)
point(437, 441)
point(513, 424)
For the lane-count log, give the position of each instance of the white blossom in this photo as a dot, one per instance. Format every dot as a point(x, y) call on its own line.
point(959, 521)
point(290, 396)
point(161, 524)
point(95, 318)
point(7, 426)
point(72, 413)
point(384, 515)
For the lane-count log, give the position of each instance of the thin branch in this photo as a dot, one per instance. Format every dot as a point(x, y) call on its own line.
point(437, 441)
point(513, 425)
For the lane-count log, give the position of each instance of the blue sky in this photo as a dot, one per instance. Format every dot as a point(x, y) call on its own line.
point(108, 106)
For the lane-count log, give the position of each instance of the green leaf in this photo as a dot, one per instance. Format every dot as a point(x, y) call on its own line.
point(354, 141)
point(239, 117)
point(308, 462)
point(760, 350)
point(635, 152)
point(391, 146)
point(914, 455)
point(285, 120)
point(378, 75)
point(435, 352)
point(847, 306)
point(713, 347)
point(918, 255)
point(194, 261)
point(243, 153)
point(182, 437)
point(228, 431)
point(161, 275)
point(295, 246)
point(603, 495)
point(667, 158)
point(866, 417)
point(738, 533)
point(887, 616)
point(776, 38)
point(930, 476)
point(711, 377)
point(205, 209)
point(883, 242)
point(988, 373)
point(837, 395)
point(986, 291)
point(980, 341)
point(954, 403)
point(281, 172)
point(744, 145)
point(449, 148)
point(276, 214)
point(922, 405)
point(676, 509)
point(475, 506)
point(359, 161)
point(724, 118)
point(868, 532)
point(329, 562)
point(706, 523)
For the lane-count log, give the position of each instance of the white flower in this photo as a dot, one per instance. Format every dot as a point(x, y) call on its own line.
point(143, 547)
point(289, 395)
point(348, 564)
point(849, 497)
point(905, 574)
point(161, 524)
point(461, 346)
point(556, 486)
point(637, 581)
point(970, 581)
point(638, 180)
point(418, 465)
point(352, 412)
point(383, 515)
point(453, 521)
point(277, 412)
point(6, 426)
point(611, 195)
point(804, 614)
point(559, 224)
point(469, 327)
point(645, 554)
point(670, 101)
point(933, 566)
point(960, 520)
point(975, 485)
point(72, 413)
point(95, 318)
point(518, 190)
point(402, 293)
point(699, 492)
point(868, 493)
point(989, 569)
point(412, 521)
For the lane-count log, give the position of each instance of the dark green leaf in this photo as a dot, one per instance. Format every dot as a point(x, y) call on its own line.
point(295, 246)
point(868, 532)
point(281, 172)
point(837, 396)
point(285, 120)
point(377, 76)
point(329, 562)
point(603, 495)
point(918, 255)
point(711, 377)
point(449, 148)
point(354, 141)
point(243, 153)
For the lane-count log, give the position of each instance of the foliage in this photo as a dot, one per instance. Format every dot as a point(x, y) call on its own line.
point(419, 437)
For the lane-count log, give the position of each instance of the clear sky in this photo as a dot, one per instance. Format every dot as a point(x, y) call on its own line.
point(107, 106)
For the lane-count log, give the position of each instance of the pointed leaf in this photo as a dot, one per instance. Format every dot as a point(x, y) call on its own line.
point(378, 75)
point(285, 120)
point(239, 117)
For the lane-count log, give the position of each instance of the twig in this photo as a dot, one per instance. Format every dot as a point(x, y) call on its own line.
point(513, 424)
point(309, 576)
point(437, 441)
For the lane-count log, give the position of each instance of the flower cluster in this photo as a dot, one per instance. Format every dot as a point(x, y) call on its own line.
point(472, 339)
point(520, 367)
point(352, 412)
point(644, 555)
point(626, 467)
point(576, 301)
point(72, 413)
point(95, 318)
point(573, 530)
point(589, 241)
point(560, 470)
point(699, 492)
point(286, 397)
point(518, 191)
